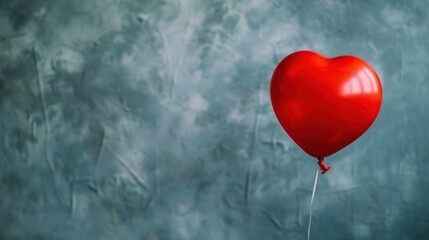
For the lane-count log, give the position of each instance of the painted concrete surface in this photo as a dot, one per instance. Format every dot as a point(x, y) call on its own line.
point(151, 120)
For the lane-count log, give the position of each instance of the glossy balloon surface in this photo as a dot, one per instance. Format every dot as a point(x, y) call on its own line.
point(324, 104)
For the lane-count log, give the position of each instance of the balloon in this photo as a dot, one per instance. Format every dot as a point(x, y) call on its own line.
point(324, 104)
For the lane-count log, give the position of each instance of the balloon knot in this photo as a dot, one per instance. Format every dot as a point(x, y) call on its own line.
point(323, 167)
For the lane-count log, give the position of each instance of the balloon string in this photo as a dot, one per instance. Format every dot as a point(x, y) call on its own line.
point(311, 203)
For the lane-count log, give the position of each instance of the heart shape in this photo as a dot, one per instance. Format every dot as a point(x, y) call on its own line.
point(324, 104)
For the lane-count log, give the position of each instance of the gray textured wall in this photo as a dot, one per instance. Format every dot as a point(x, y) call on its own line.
point(151, 120)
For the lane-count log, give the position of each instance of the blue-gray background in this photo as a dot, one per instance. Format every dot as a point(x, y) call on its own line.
point(151, 120)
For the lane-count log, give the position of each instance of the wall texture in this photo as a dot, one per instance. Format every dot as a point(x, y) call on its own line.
point(151, 120)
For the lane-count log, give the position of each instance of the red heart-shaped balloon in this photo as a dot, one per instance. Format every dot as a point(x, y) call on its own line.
point(324, 104)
